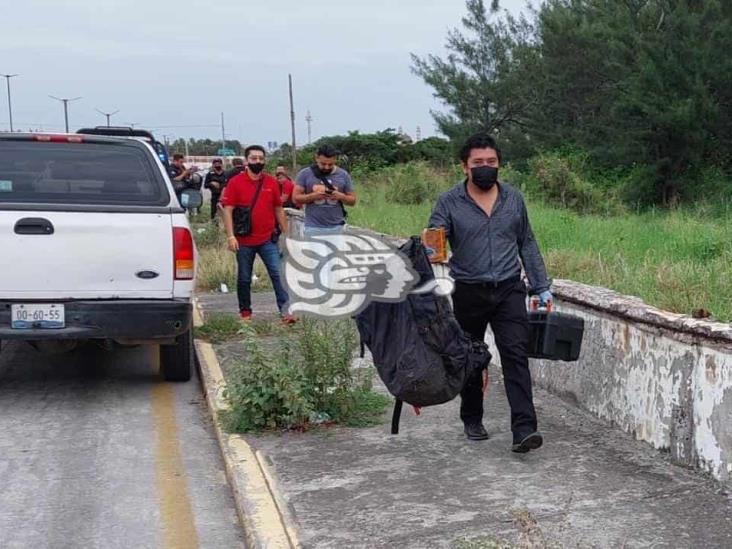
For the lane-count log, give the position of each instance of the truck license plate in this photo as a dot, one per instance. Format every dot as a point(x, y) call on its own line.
point(37, 315)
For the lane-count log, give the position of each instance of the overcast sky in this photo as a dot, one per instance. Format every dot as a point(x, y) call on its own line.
point(166, 63)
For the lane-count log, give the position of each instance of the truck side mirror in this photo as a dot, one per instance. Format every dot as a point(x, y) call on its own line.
point(191, 199)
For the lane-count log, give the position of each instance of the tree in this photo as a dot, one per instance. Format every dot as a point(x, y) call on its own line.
point(203, 147)
point(643, 86)
point(475, 79)
point(639, 84)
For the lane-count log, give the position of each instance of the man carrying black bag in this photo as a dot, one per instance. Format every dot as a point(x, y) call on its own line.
point(252, 207)
point(488, 229)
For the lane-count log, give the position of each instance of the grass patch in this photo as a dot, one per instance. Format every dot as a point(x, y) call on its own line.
point(203, 215)
point(367, 407)
point(482, 542)
point(677, 261)
point(217, 265)
point(219, 327)
point(308, 380)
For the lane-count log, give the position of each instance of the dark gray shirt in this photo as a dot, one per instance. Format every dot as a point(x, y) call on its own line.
point(487, 248)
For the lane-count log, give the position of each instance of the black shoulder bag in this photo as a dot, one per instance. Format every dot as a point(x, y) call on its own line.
point(242, 215)
point(328, 185)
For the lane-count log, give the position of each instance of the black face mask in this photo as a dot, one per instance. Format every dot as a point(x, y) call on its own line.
point(484, 177)
point(256, 167)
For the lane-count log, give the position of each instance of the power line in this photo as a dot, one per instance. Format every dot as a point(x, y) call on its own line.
point(309, 120)
point(107, 114)
point(65, 101)
point(10, 105)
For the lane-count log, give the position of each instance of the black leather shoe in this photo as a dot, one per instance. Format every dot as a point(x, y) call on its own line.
point(476, 431)
point(529, 442)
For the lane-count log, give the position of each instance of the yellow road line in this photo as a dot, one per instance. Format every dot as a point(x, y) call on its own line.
point(176, 514)
point(266, 520)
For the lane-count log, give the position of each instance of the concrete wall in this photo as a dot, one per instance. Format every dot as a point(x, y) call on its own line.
point(664, 378)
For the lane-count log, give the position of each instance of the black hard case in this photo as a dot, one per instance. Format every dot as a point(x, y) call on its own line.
point(555, 336)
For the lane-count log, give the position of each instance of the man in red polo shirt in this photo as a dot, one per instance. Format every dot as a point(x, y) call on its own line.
point(241, 190)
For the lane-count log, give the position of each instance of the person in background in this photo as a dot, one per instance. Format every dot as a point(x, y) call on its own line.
point(237, 166)
point(259, 191)
point(487, 225)
point(323, 189)
point(183, 178)
point(287, 187)
point(215, 182)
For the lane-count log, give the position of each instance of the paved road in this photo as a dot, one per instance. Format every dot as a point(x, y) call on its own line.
point(97, 451)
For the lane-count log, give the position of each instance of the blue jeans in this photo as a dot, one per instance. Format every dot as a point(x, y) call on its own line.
point(309, 230)
point(270, 255)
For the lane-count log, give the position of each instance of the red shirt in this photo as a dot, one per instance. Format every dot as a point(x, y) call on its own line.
point(288, 187)
point(240, 190)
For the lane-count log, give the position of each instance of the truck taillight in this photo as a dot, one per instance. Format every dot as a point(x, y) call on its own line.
point(183, 253)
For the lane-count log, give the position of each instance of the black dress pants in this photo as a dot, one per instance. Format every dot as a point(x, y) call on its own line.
point(503, 306)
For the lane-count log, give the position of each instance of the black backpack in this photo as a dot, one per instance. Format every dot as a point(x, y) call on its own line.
point(420, 351)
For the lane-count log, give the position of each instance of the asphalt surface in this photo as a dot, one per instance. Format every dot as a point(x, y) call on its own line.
point(96, 450)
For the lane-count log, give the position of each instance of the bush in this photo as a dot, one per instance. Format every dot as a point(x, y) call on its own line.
point(326, 349)
point(265, 391)
point(562, 180)
point(414, 183)
point(308, 379)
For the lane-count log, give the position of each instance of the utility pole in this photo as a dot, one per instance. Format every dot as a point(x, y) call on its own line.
point(309, 120)
point(223, 134)
point(107, 114)
point(10, 105)
point(292, 122)
point(65, 101)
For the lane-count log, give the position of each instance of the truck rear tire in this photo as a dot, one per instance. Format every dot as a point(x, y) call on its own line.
point(176, 361)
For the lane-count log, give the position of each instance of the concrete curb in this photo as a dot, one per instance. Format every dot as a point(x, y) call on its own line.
point(262, 511)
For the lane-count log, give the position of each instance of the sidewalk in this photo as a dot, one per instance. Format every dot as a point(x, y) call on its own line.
point(589, 486)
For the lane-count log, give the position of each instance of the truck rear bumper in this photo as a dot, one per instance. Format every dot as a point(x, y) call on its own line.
point(122, 319)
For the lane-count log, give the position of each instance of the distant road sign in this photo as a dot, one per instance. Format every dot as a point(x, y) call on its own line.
point(226, 152)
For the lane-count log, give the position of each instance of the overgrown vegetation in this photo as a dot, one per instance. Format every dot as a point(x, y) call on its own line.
point(679, 261)
point(220, 327)
point(307, 380)
point(217, 265)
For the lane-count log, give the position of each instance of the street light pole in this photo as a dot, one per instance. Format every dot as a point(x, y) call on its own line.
point(65, 101)
point(107, 114)
point(10, 105)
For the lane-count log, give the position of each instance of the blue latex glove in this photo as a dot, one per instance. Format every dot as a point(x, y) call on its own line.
point(545, 297)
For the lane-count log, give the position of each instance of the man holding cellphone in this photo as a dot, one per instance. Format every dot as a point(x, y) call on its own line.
point(324, 188)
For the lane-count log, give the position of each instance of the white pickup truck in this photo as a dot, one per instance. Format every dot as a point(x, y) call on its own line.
point(94, 245)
